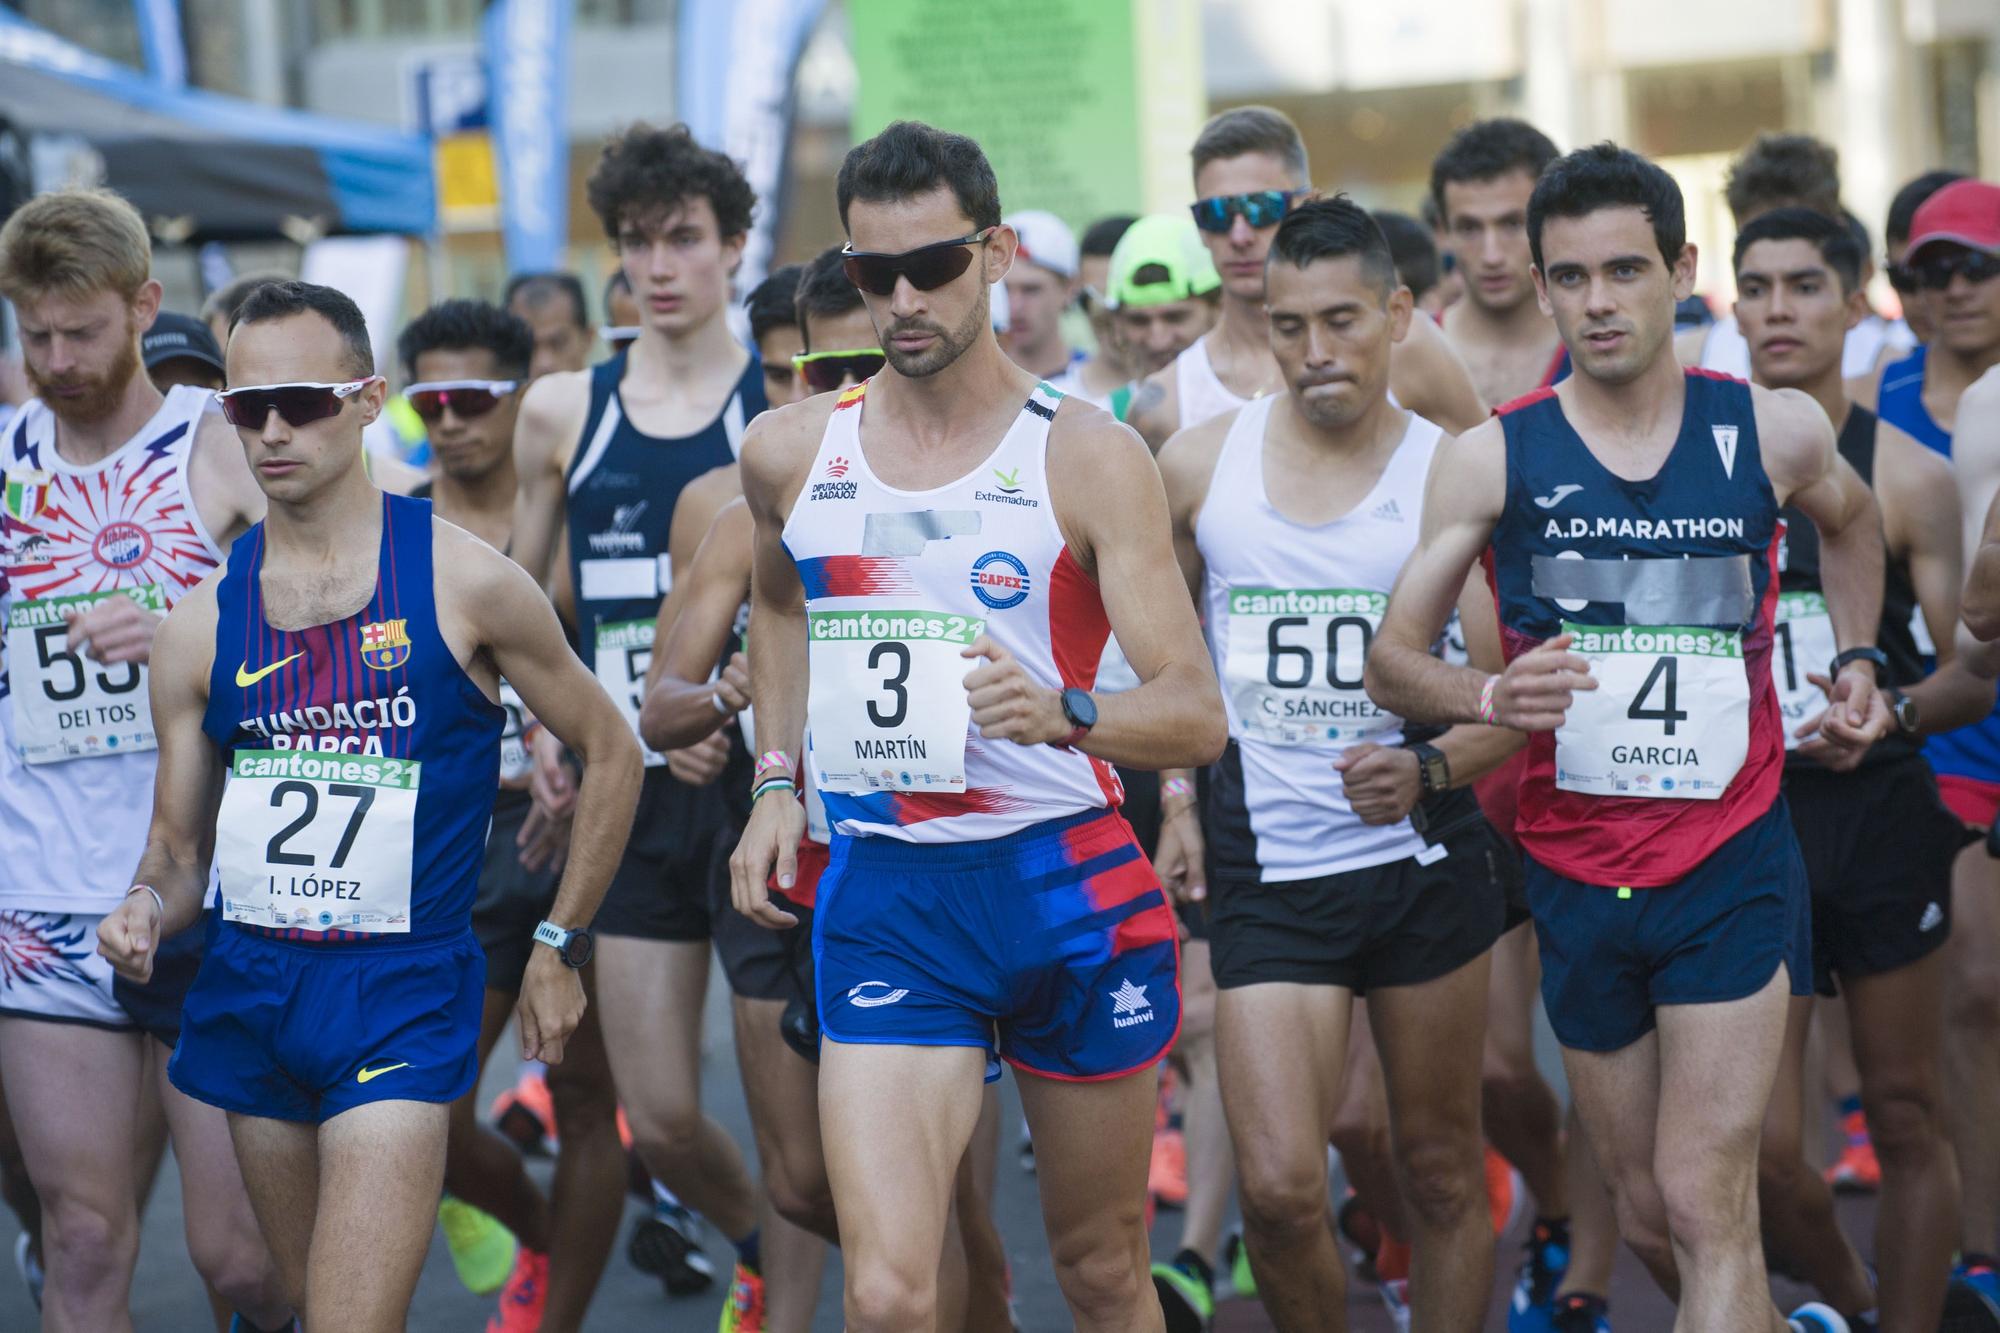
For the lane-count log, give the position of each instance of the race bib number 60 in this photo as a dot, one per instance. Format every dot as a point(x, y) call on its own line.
point(1670, 716)
point(887, 705)
point(315, 840)
point(65, 705)
point(1294, 662)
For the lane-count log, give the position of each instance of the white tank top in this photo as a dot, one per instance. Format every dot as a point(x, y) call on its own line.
point(76, 736)
point(1291, 613)
point(1202, 393)
point(897, 584)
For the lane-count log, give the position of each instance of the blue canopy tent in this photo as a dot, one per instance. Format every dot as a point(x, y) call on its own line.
point(219, 167)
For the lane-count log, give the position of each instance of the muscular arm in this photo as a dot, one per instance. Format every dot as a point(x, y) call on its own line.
point(1918, 493)
point(1475, 748)
point(701, 499)
point(1976, 454)
point(552, 415)
point(680, 702)
point(1429, 378)
point(187, 785)
point(1187, 463)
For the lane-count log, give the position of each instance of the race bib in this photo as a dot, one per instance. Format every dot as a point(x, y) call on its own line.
point(515, 762)
point(318, 841)
point(887, 705)
point(624, 652)
point(1670, 716)
point(1803, 641)
point(65, 705)
point(1293, 663)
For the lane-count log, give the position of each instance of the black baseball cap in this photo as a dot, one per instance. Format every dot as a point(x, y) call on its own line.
point(175, 336)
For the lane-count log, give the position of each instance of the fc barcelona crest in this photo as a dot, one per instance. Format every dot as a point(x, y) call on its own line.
point(384, 644)
point(27, 493)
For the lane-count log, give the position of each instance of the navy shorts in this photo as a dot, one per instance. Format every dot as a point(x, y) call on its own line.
point(1052, 947)
point(1610, 956)
point(293, 1031)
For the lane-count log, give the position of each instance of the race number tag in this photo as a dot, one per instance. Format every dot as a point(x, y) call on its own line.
point(515, 761)
point(624, 652)
point(1803, 642)
point(1293, 663)
point(887, 706)
point(1670, 716)
point(318, 841)
point(65, 705)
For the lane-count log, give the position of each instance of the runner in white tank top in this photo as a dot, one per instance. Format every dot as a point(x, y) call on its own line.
point(1341, 854)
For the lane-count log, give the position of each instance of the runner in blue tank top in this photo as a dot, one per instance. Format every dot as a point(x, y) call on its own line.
point(327, 722)
point(1626, 519)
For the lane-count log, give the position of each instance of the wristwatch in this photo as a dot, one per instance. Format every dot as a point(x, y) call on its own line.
point(1904, 709)
point(1081, 711)
point(1875, 655)
point(573, 946)
point(1433, 768)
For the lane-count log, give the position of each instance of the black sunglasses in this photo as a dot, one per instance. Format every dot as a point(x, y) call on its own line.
point(826, 371)
point(1259, 208)
point(1934, 273)
point(467, 398)
point(1902, 278)
point(299, 404)
point(928, 267)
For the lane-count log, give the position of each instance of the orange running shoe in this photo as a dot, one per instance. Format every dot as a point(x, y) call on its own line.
point(1166, 1179)
point(1505, 1191)
point(524, 1296)
point(1392, 1260)
point(743, 1312)
point(1856, 1170)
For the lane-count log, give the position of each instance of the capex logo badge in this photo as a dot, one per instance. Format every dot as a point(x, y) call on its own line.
point(1000, 580)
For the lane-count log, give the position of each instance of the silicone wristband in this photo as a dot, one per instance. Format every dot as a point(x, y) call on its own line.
point(1176, 787)
point(769, 785)
point(1486, 699)
point(774, 761)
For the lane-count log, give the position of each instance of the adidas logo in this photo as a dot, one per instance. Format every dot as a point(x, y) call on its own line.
point(1933, 917)
point(1387, 512)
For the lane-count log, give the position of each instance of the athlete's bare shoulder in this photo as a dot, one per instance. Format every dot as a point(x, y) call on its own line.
point(779, 446)
point(1689, 344)
point(552, 415)
point(705, 496)
point(1187, 461)
point(1155, 411)
point(1916, 486)
point(225, 493)
point(1430, 378)
point(1100, 472)
point(395, 476)
point(1794, 436)
point(478, 588)
point(184, 645)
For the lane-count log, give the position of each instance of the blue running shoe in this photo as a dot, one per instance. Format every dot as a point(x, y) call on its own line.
point(1547, 1259)
point(1812, 1317)
point(1972, 1301)
point(1579, 1313)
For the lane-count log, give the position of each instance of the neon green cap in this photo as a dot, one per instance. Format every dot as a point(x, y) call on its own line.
point(1159, 259)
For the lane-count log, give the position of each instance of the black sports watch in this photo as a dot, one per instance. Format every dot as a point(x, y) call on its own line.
point(1433, 768)
point(1875, 655)
point(1081, 712)
point(1904, 709)
point(574, 947)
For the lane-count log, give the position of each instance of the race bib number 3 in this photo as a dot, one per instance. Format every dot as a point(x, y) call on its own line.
point(1670, 717)
point(1293, 663)
point(318, 841)
point(624, 653)
point(1803, 642)
point(65, 705)
point(887, 706)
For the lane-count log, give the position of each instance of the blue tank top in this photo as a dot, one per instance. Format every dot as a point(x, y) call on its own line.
point(1900, 401)
point(380, 684)
point(623, 486)
point(1692, 546)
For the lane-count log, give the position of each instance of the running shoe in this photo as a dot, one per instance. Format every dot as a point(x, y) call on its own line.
point(1978, 1277)
point(524, 1297)
point(525, 1115)
point(1236, 1255)
point(1506, 1192)
point(1166, 1178)
point(1856, 1170)
point(238, 1324)
point(1542, 1270)
point(1396, 1296)
point(1186, 1297)
point(29, 1265)
point(1579, 1313)
point(743, 1312)
point(1812, 1317)
point(1966, 1310)
point(667, 1245)
point(1392, 1259)
point(482, 1250)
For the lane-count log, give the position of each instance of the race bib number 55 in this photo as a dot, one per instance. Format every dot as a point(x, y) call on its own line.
point(624, 655)
point(1670, 716)
point(317, 840)
point(65, 705)
point(887, 706)
point(1294, 660)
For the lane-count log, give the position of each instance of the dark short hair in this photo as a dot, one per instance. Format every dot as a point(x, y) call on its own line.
point(1601, 176)
point(824, 291)
point(457, 325)
point(227, 299)
point(911, 158)
point(646, 169)
point(1780, 169)
point(1487, 150)
point(1242, 130)
point(281, 300)
point(1333, 229)
point(537, 289)
point(1831, 237)
point(1903, 208)
point(1413, 248)
point(773, 303)
point(1101, 237)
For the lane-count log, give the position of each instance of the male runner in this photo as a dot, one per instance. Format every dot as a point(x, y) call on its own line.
point(1878, 841)
point(118, 500)
point(1917, 329)
point(337, 1011)
point(1320, 885)
point(602, 456)
point(1164, 294)
point(1040, 287)
point(1415, 250)
point(551, 304)
point(179, 349)
point(774, 328)
point(1249, 167)
point(1105, 369)
point(466, 363)
point(1627, 518)
point(951, 544)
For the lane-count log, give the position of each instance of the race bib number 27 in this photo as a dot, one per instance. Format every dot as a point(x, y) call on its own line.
point(887, 705)
point(1670, 717)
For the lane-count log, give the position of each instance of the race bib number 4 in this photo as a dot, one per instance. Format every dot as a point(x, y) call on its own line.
point(65, 705)
point(1670, 717)
point(624, 653)
point(1293, 663)
point(318, 841)
point(1803, 642)
point(887, 705)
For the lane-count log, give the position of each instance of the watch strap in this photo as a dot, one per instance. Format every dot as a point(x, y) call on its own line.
point(552, 935)
point(1866, 654)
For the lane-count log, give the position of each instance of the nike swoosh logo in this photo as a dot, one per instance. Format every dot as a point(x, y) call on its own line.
point(246, 678)
point(367, 1074)
point(1562, 492)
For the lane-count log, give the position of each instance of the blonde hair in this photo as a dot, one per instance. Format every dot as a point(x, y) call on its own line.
point(74, 242)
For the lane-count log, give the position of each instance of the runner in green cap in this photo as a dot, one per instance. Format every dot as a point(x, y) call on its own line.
point(1164, 293)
